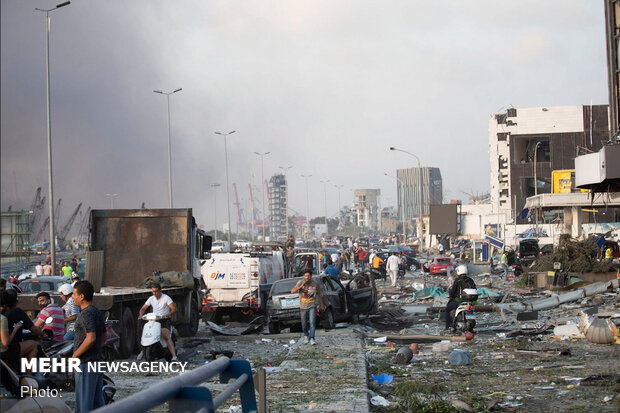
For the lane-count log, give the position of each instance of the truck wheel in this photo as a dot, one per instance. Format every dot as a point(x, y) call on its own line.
point(128, 333)
point(190, 329)
point(328, 320)
point(274, 328)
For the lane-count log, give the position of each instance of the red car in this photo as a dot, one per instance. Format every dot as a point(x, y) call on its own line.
point(440, 265)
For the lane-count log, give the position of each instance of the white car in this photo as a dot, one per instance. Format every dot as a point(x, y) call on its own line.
point(243, 244)
point(220, 246)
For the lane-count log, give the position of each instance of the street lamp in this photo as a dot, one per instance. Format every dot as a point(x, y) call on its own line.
point(420, 191)
point(225, 135)
point(307, 203)
point(214, 186)
point(284, 168)
point(324, 182)
point(49, 132)
point(169, 145)
point(262, 185)
point(402, 215)
point(112, 196)
point(339, 187)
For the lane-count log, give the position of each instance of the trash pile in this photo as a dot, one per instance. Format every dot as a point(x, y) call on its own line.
point(575, 256)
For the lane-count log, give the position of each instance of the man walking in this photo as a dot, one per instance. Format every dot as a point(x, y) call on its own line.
point(90, 335)
point(392, 268)
point(309, 294)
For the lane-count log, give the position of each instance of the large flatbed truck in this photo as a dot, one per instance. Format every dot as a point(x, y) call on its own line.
point(128, 245)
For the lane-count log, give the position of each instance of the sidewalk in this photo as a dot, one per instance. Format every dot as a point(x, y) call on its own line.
point(327, 377)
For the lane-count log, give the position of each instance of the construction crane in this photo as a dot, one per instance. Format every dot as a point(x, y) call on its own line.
point(84, 224)
point(240, 213)
point(62, 234)
point(42, 229)
point(57, 213)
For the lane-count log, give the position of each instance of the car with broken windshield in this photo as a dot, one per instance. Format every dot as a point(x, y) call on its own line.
point(342, 302)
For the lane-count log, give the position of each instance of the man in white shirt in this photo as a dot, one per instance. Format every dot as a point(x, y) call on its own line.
point(441, 250)
point(392, 267)
point(38, 269)
point(162, 306)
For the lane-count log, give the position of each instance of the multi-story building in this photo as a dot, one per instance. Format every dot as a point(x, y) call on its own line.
point(527, 144)
point(409, 202)
point(389, 220)
point(278, 204)
point(366, 209)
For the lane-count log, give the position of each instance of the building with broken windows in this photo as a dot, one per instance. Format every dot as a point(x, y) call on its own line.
point(366, 209)
point(278, 203)
point(527, 144)
point(409, 202)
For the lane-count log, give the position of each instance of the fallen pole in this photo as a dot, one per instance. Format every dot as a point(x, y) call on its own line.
point(556, 300)
point(417, 338)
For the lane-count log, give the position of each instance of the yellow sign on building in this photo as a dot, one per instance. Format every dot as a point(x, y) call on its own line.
point(563, 182)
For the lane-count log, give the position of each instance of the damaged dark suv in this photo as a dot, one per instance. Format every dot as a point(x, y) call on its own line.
point(341, 302)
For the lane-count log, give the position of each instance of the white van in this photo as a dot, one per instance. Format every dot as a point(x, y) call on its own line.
point(237, 285)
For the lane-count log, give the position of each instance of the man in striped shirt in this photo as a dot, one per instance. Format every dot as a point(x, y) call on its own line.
point(49, 309)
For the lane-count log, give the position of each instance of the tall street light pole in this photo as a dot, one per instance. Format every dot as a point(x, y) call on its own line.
point(420, 235)
point(49, 133)
point(284, 168)
point(169, 144)
point(225, 135)
point(339, 187)
point(402, 215)
point(324, 182)
point(112, 196)
point(536, 183)
point(262, 185)
point(214, 186)
point(307, 204)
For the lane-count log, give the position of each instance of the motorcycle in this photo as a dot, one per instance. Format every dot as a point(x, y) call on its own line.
point(463, 317)
point(65, 381)
point(153, 345)
point(110, 347)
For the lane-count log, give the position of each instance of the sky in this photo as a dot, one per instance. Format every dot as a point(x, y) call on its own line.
point(325, 86)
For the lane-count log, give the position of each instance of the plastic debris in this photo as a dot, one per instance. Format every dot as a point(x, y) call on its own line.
point(379, 401)
point(382, 378)
point(429, 293)
point(380, 339)
point(460, 358)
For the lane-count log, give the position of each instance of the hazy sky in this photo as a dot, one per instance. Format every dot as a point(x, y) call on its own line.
point(325, 86)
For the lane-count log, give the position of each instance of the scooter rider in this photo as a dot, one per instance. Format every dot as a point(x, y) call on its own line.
point(462, 282)
point(162, 306)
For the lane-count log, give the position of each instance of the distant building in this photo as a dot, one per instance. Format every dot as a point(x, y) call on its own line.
point(278, 204)
point(409, 202)
point(366, 209)
point(389, 220)
point(551, 138)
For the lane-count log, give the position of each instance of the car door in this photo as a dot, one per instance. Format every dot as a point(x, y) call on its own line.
point(342, 311)
point(364, 298)
point(330, 296)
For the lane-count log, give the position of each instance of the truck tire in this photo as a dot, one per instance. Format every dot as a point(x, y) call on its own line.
point(214, 316)
point(190, 329)
point(128, 333)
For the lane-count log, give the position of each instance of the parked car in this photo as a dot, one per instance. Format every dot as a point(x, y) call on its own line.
point(243, 244)
point(341, 303)
point(527, 251)
point(43, 283)
point(412, 262)
point(440, 265)
point(220, 246)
